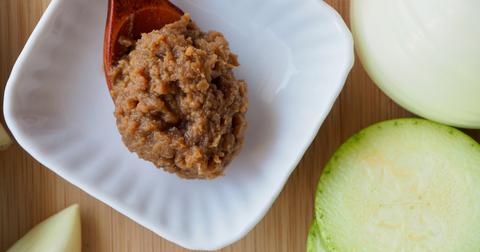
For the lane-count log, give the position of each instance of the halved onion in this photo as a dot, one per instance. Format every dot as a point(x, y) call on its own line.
point(402, 185)
point(424, 54)
point(59, 233)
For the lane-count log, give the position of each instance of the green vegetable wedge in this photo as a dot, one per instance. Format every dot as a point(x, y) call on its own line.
point(314, 240)
point(402, 185)
point(5, 139)
point(59, 233)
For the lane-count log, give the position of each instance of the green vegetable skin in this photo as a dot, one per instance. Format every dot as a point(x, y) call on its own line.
point(314, 241)
point(401, 185)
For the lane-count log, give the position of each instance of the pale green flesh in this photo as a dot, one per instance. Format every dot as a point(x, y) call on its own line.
point(5, 139)
point(59, 233)
point(314, 240)
point(402, 185)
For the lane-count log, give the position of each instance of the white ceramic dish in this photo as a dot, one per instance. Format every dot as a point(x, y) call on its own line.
point(295, 56)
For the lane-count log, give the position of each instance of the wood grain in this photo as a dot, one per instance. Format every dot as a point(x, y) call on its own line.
point(30, 192)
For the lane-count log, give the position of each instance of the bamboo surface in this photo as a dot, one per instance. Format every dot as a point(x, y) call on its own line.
point(30, 192)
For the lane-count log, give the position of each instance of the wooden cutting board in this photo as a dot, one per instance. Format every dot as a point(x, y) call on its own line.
point(30, 192)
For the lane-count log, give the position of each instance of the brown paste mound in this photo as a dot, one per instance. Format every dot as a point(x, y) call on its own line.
point(177, 102)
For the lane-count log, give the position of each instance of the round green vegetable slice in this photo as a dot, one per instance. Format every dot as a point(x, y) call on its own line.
point(314, 240)
point(402, 185)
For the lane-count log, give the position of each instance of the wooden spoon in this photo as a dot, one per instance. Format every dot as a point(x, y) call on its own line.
point(131, 18)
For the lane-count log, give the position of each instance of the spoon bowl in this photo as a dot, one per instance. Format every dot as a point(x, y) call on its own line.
point(129, 19)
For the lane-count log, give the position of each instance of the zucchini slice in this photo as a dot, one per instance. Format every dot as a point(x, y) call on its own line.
point(402, 185)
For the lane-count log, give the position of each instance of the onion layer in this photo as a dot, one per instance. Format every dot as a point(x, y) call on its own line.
point(425, 55)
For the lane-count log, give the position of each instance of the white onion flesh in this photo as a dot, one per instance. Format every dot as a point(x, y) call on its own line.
point(402, 185)
point(424, 54)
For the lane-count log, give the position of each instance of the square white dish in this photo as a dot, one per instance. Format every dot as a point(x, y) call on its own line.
point(294, 55)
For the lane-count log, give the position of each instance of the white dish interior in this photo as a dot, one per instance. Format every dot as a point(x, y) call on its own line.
point(295, 56)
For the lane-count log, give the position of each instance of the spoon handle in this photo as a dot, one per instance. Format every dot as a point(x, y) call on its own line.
point(131, 18)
